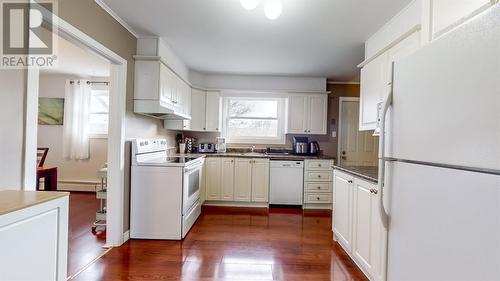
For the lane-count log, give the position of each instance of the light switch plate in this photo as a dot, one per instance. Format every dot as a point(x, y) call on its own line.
point(334, 134)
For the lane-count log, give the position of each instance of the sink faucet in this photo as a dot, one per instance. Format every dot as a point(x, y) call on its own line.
point(252, 148)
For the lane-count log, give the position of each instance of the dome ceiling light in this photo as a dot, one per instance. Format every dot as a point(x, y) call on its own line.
point(249, 4)
point(272, 8)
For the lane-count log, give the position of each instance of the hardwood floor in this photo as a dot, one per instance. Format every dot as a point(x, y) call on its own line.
point(83, 246)
point(235, 244)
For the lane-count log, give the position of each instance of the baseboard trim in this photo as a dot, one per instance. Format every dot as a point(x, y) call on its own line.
point(237, 204)
point(126, 236)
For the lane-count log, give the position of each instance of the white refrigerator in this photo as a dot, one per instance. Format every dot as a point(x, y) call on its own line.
point(440, 158)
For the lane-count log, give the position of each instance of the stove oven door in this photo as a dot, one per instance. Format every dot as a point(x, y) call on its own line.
point(192, 185)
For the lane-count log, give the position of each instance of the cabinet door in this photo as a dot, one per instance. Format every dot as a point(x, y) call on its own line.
point(147, 81)
point(227, 179)
point(198, 107)
point(400, 51)
point(165, 90)
point(186, 105)
point(213, 111)
point(367, 228)
point(260, 180)
point(318, 105)
point(373, 84)
point(447, 14)
point(342, 185)
point(243, 180)
point(213, 179)
point(297, 114)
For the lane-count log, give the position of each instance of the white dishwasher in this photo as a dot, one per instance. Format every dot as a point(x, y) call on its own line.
point(286, 182)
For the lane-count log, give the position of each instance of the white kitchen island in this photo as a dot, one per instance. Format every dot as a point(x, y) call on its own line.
point(33, 235)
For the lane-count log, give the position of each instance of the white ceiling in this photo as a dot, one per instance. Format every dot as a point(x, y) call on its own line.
point(75, 60)
point(311, 38)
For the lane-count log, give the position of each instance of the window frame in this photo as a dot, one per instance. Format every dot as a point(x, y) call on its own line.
point(280, 117)
point(98, 135)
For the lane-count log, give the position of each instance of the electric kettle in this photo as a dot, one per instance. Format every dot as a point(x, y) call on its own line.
point(313, 148)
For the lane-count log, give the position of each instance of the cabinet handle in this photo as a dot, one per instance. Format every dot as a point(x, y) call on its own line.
point(204, 129)
point(374, 191)
point(349, 181)
point(319, 187)
point(318, 198)
point(319, 176)
point(319, 165)
point(305, 131)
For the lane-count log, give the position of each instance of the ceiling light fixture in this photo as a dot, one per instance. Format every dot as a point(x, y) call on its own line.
point(249, 4)
point(273, 9)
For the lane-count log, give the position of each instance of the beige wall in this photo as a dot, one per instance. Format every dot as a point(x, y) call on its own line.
point(90, 18)
point(53, 86)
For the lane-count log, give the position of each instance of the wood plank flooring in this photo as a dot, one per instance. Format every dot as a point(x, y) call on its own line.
point(83, 246)
point(235, 244)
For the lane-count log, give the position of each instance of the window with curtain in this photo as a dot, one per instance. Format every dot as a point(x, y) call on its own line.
point(99, 113)
point(252, 120)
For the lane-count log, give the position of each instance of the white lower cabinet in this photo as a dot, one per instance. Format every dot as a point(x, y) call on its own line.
point(243, 180)
point(227, 179)
point(357, 225)
point(237, 179)
point(213, 179)
point(260, 180)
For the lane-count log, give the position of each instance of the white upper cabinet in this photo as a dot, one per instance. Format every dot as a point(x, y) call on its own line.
point(198, 106)
point(204, 109)
point(373, 85)
point(376, 78)
point(447, 14)
point(213, 111)
point(307, 114)
point(157, 86)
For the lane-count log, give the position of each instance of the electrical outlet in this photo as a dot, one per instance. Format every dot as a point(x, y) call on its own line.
point(334, 134)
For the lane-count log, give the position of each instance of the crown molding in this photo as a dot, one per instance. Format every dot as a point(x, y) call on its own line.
point(116, 17)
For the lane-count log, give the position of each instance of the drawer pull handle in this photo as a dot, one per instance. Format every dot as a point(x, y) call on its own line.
point(319, 187)
point(318, 198)
point(319, 176)
point(350, 181)
point(319, 165)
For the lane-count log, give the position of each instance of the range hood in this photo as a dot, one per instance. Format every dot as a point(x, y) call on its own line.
point(158, 109)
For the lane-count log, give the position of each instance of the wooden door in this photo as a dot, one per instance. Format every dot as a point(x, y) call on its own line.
point(243, 180)
point(356, 147)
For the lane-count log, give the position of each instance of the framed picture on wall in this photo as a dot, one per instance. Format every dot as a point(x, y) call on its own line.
point(50, 111)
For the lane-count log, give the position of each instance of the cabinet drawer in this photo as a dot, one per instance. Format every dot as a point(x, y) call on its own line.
point(318, 176)
point(318, 198)
point(317, 187)
point(318, 165)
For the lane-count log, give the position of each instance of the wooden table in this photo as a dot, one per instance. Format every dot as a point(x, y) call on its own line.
point(50, 176)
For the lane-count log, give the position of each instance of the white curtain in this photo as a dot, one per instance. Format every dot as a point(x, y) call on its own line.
point(76, 120)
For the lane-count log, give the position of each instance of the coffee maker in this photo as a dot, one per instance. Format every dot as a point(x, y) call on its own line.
point(300, 145)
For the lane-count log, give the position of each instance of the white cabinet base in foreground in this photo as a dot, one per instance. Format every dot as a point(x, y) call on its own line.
point(34, 242)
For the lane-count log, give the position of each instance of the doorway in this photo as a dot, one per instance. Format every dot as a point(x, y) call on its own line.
point(115, 154)
point(72, 145)
point(356, 148)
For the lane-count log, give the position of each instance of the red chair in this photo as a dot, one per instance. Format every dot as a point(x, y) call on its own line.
point(48, 174)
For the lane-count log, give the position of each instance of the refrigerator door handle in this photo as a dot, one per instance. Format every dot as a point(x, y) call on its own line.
point(381, 173)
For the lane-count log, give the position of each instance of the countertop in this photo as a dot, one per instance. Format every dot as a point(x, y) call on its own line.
point(284, 157)
point(14, 200)
point(369, 173)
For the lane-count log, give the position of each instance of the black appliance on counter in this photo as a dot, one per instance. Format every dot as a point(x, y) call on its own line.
point(302, 146)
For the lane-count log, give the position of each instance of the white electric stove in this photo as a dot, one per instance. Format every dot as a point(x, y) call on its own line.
point(165, 191)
